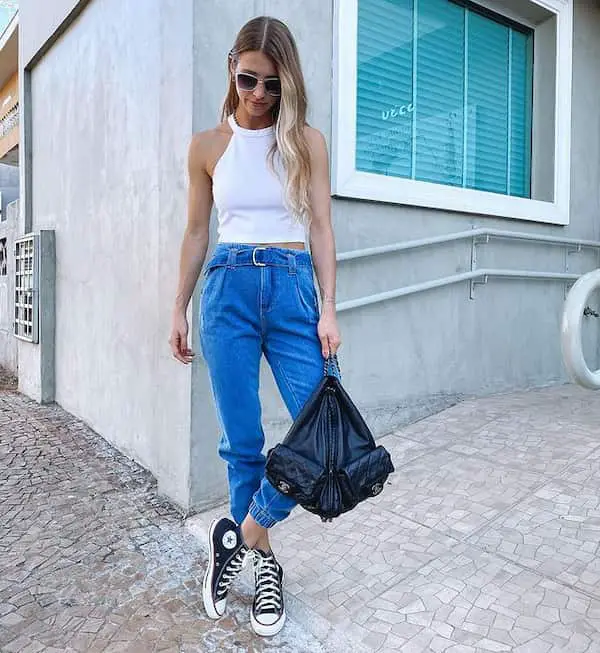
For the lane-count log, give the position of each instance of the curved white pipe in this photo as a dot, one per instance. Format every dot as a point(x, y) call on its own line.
point(575, 304)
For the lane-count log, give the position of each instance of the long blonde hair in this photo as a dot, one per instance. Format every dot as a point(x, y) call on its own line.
point(272, 37)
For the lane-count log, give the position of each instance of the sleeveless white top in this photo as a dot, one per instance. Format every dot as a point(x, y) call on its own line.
point(249, 196)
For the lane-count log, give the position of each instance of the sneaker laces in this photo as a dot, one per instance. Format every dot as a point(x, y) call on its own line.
point(233, 568)
point(268, 589)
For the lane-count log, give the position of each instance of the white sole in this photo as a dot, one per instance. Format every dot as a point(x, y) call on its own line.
point(207, 597)
point(267, 631)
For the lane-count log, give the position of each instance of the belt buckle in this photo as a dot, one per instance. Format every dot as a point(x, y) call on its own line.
point(254, 261)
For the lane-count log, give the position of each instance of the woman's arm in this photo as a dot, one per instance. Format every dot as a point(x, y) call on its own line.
point(322, 241)
point(194, 245)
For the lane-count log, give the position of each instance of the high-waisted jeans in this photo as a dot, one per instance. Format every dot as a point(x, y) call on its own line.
point(257, 300)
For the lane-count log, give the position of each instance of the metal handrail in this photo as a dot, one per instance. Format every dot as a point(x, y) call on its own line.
point(465, 235)
point(456, 278)
point(476, 235)
point(572, 321)
point(575, 304)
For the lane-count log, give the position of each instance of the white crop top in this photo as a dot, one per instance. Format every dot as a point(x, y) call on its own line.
point(249, 197)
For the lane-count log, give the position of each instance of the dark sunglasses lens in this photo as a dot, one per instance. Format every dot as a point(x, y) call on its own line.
point(246, 82)
point(273, 86)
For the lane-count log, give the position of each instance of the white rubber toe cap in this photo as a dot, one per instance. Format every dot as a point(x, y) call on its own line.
point(269, 624)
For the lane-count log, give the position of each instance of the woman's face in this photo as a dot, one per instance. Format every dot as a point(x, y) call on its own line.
point(259, 101)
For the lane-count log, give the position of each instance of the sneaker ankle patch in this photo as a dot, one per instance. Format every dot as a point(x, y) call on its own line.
point(229, 540)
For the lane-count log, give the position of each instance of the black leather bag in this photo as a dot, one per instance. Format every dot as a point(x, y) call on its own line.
point(328, 461)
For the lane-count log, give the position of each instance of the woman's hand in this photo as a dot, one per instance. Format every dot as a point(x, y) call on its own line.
point(178, 339)
point(329, 333)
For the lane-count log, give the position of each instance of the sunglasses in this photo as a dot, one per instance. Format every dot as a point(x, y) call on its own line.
point(248, 82)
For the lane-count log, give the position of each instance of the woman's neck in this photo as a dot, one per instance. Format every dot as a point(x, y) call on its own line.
point(246, 121)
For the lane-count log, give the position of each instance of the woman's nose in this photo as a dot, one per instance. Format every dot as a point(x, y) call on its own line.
point(259, 91)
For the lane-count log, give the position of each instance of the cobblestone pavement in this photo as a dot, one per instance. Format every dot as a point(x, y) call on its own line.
point(487, 537)
point(90, 559)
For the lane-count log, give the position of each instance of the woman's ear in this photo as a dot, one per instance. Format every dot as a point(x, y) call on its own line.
point(232, 64)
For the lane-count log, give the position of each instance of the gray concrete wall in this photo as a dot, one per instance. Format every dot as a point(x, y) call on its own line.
point(108, 171)
point(8, 343)
point(42, 19)
point(409, 357)
point(9, 228)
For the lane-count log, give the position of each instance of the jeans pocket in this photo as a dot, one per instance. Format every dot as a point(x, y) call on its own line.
point(214, 278)
point(307, 293)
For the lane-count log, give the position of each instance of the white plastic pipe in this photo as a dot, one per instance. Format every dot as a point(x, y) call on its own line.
point(572, 320)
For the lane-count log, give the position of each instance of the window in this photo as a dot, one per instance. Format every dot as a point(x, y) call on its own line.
point(26, 288)
point(458, 111)
point(455, 105)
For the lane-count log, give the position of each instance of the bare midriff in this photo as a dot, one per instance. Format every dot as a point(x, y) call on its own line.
point(294, 245)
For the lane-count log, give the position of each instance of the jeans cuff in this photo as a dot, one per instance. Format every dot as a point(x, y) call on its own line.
point(261, 516)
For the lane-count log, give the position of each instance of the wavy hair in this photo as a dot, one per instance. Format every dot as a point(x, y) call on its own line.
point(272, 37)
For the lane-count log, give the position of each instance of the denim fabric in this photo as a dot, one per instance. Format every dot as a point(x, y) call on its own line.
point(255, 301)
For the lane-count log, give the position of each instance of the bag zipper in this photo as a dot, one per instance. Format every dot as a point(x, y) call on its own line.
point(332, 439)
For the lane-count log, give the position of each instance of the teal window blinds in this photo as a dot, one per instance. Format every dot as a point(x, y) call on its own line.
point(444, 95)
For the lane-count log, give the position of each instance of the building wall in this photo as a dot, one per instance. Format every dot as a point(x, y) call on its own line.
point(42, 19)
point(8, 231)
point(9, 188)
point(111, 119)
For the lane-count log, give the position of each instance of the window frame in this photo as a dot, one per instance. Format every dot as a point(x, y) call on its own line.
point(27, 288)
point(347, 182)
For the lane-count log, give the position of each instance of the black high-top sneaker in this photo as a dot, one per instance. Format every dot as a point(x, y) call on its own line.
point(268, 612)
point(226, 558)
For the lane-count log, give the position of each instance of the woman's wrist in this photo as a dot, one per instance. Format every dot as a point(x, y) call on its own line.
point(180, 307)
point(328, 304)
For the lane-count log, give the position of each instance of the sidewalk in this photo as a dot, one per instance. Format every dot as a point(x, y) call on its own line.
point(90, 559)
point(486, 539)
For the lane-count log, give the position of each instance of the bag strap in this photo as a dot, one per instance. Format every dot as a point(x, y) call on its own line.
point(332, 363)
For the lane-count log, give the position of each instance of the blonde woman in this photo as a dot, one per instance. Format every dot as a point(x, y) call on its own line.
point(267, 173)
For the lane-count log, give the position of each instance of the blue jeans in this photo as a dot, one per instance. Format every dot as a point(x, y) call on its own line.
point(257, 300)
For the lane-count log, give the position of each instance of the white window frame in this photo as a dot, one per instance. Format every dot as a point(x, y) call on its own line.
point(348, 182)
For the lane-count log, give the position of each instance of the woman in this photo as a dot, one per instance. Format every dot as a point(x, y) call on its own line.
point(267, 172)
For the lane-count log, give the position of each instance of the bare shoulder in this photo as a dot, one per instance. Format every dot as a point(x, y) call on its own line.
point(315, 139)
point(209, 138)
point(199, 145)
point(317, 146)
point(206, 147)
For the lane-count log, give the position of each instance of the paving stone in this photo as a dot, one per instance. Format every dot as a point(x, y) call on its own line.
point(16, 646)
point(556, 531)
point(33, 647)
point(11, 619)
point(454, 494)
point(518, 589)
